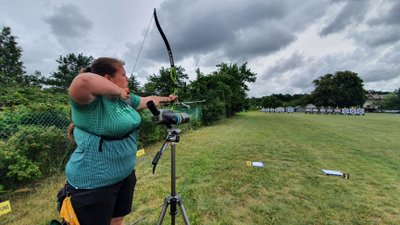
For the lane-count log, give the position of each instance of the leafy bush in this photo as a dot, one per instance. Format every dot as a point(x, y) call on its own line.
point(149, 131)
point(7, 126)
point(43, 114)
point(18, 96)
point(34, 152)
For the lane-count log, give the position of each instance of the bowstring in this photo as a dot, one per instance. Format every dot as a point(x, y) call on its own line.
point(141, 46)
point(137, 59)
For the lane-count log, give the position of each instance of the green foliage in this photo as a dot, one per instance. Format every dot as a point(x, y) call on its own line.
point(224, 91)
point(392, 101)
point(236, 78)
point(343, 89)
point(32, 152)
point(44, 115)
point(271, 102)
point(11, 68)
point(299, 100)
point(34, 80)
point(69, 66)
point(15, 96)
point(134, 85)
point(162, 83)
point(149, 132)
point(31, 106)
point(285, 100)
point(32, 130)
point(213, 92)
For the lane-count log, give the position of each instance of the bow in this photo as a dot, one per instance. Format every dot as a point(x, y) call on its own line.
point(171, 58)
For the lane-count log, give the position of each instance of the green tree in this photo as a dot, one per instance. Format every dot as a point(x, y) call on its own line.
point(326, 92)
point(34, 80)
point(224, 90)
point(214, 93)
point(254, 101)
point(11, 68)
point(69, 66)
point(162, 83)
point(300, 100)
point(392, 101)
point(343, 89)
point(236, 77)
point(271, 102)
point(350, 88)
point(134, 85)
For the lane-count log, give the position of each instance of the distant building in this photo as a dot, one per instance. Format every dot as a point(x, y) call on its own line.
point(373, 102)
point(299, 108)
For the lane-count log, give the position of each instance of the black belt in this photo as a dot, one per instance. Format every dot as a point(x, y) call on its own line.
point(107, 138)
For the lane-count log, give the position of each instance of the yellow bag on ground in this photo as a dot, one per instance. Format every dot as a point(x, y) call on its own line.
point(67, 212)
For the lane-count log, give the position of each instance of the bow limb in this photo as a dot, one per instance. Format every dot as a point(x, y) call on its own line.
point(171, 57)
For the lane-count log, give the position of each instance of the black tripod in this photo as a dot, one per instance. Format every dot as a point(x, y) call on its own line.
point(172, 200)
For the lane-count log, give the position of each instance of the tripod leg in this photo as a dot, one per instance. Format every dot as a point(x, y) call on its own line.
point(184, 215)
point(163, 211)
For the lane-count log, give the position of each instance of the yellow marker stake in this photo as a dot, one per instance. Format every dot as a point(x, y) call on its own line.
point(140, 152)
point(5, 207)
point(248, 163)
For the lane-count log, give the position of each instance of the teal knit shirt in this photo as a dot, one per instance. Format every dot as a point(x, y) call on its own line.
point(89, 167)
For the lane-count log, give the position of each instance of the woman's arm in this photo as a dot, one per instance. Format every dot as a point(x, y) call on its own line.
point(155, 99)
point(86, 86)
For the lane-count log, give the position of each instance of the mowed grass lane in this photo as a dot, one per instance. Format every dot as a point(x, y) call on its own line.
point(218, 188)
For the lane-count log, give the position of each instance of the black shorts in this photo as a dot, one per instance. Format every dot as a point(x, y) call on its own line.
point(98, 206)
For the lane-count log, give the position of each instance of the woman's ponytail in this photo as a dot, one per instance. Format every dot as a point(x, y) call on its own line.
point(71, 129)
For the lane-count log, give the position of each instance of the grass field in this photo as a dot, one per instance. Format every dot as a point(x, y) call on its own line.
point(218, 188)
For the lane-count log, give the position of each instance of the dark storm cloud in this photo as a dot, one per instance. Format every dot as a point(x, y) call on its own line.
point(379, 36)
point(240, 30)
point(296, 73)
point(392, 17)
point(69, 24)
point(284, 65)
point(253, 42)
point(276, 37)
point(353, 11)
point(384, 67)
point(384, 28)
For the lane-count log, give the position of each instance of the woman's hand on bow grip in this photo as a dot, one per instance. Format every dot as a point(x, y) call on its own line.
point(172, 98)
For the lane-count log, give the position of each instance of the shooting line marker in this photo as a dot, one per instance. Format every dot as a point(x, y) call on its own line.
point(140, 152)
point(255, 164)
point(5, 207)
point(336, 173)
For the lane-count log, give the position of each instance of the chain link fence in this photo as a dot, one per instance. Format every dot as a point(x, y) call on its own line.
point(33, 145)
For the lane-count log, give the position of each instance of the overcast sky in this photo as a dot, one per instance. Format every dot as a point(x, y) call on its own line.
point(288, 43)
